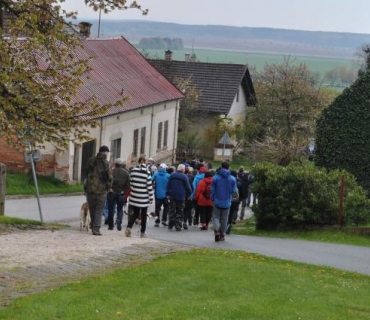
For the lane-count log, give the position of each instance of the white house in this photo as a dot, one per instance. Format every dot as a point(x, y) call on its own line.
point(145, 125)
point(225, 89)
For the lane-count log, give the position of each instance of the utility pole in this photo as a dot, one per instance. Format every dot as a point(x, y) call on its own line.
point(2, 188)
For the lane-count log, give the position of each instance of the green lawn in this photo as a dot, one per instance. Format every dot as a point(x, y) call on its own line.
point(18, 183)
point(248, 228)
point(205, 284)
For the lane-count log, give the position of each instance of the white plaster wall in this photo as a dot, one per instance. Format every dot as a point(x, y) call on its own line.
point(238, 110)
point(123, 126)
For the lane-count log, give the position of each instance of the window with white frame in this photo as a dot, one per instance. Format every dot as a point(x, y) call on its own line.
point(165, 134)
point(160, 130)
point(135, 149)
point(116, 148)
point(142, 140)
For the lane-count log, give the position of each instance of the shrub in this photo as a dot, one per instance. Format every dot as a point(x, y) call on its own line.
point(343, 135)
point(302, 195)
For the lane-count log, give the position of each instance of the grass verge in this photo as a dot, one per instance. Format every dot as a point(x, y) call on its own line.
point(22, 184)
point(248, 228)
point(205, 284)
point(8, 225)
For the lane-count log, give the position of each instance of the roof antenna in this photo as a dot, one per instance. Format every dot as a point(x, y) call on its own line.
point(99, 22)
point(192, 46)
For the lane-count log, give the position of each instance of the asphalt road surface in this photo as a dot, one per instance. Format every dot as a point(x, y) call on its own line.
point(65, 209)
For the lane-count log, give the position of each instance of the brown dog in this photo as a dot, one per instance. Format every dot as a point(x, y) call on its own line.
point(84, 217)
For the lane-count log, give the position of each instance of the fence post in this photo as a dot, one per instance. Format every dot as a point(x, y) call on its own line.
point(2, 188)
point(341, 198)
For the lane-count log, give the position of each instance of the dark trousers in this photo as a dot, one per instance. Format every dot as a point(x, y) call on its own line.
point(233, 214)
point(205, 213)
point(96, 204)
point(176, 213)
point(138, 211)
point(188, 217)
point(196, 213)
point(158, 205)
point(115, 198)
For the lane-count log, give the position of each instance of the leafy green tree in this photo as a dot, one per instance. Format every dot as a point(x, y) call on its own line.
point(289, 100)
point(343, 135)
point(189, 109)
point(42, 67)
point(364, 59)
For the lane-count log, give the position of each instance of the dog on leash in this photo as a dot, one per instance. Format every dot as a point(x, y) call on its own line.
point(84, 217)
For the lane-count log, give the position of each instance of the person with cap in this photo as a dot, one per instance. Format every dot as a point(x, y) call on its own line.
point(149, 164)
point(115, 197)
point(222, 188)
point(141, 196)
point(98, 182)
point(196, 181)
point(160, 180)
point(178, 189)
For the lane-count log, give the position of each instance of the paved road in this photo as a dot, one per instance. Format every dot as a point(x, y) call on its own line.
point(66, 209)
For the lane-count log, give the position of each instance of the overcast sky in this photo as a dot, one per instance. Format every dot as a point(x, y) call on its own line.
point(315, 15)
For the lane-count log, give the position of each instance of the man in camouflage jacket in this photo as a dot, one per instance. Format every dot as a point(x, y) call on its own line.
point(98, 183)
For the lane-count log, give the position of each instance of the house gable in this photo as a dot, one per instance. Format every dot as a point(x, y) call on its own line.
point(217, 83)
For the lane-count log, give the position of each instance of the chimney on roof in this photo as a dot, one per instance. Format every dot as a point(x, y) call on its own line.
point(85, 28)
point(168, 55)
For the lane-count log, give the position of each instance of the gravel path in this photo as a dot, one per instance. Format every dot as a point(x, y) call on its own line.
point(35, 260)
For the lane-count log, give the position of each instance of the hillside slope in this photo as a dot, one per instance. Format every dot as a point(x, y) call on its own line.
point(334, 44)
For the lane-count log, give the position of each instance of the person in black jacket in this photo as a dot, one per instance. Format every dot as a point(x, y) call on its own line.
point(178, 190)
point(244, 190)
point(121, 183)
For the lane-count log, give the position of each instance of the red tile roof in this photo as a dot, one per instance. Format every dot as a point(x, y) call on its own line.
point(119, 70)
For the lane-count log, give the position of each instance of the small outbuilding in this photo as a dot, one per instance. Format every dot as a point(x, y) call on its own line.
point(223, 150)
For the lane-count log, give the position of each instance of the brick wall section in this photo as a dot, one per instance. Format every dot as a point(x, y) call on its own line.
point(14, 160)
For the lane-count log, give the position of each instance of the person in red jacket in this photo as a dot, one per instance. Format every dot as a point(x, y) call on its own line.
point(204, 201)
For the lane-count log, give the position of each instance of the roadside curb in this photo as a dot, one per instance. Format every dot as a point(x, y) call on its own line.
point(29, 196)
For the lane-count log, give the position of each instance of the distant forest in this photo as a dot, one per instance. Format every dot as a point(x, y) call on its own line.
point(161, 43)
point(239, 38)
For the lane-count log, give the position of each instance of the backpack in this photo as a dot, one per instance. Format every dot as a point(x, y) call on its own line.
point(207, 191)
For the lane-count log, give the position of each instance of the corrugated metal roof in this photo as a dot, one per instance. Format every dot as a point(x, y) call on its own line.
point(118, 71)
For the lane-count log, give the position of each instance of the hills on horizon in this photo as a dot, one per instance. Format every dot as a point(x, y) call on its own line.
point(247, 39)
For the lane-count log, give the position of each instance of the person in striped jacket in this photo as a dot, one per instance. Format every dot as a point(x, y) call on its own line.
point(141, 196)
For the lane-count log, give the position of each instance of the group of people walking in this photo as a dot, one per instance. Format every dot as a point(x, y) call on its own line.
point(183, 195)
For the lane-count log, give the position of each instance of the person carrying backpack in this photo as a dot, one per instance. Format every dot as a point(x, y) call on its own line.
point(222, 188)
point(204, 201)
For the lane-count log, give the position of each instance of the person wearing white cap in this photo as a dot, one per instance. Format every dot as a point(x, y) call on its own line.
point(160, 180)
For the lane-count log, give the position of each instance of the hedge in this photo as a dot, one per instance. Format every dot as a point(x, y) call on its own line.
point(343, 132)
point(301, 195)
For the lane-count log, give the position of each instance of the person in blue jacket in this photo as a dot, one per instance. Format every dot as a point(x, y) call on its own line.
point(222, 188)
point(178, 190)
point(160, 180)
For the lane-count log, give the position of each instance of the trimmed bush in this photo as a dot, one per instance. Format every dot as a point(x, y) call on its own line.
point(302, 195)
point(343, 132)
